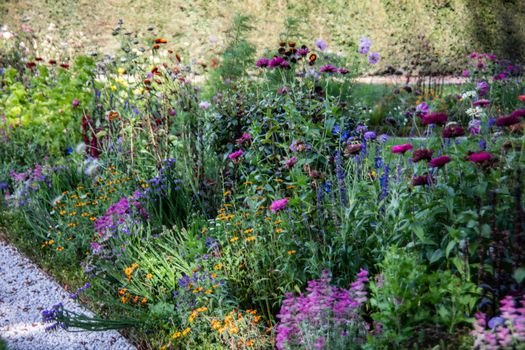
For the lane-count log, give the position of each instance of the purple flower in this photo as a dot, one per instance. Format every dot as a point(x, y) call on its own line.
point(370, 135)
point(321, 44)
point(262, 62)
point(482, 88)
point(343, 71)
point(422, 108)
point(328, 69)
point(438, 118)
point(283, 90)
point(364, 45)
point(383, 138)
point(290, 162)
point(466, 73)
point(361, 129)
point(481, 103)
point(303, 51)
point(75, 103)
point(275, 62)
point(172, 112)
point(204, 105)
point(373, 58)
point(278, 205)
point(245, 137)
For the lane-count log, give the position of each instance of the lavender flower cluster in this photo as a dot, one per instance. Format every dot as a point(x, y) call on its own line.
point(506, 331)
point(53, 316)
point(326, 317)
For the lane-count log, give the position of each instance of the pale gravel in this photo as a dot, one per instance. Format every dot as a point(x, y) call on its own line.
point(25, 291)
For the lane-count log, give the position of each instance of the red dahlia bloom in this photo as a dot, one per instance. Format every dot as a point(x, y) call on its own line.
point(507, 120)
point(422, 154)
point(439, 161)
point(453, 131)
point(438, 118)
point(479, 157)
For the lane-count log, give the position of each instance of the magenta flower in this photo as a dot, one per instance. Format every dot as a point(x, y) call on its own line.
point(245, 137)
point(262, 62)
point(303, 51)
point(343, 71)
point(278, 205)
point(290, 162)
point(236, 155)
point(438, 118)
point(328, 69)
point(466, 73)
point(75, 103)
point(438, 162)
point(275, 62)
point(402, 148)
point(479, 157)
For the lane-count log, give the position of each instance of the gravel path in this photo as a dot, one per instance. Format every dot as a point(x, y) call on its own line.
point(24, 292)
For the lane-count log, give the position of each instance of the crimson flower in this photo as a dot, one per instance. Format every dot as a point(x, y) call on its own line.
point(438, 118)
point(422, 154)
point(453, 131)
point(479, 157)
point(439, 161)
point(507, 120)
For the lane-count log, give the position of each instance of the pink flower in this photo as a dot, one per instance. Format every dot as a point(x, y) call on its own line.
point(438, 162)
point(402, 148)
point(236, 155)
point(482, 103)
point(290, 162)
point(278, 204)
point(479, 157)
point(245, 137)
point(521, 98)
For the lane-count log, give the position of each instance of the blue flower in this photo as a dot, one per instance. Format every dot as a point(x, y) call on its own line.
point(496, 321)
point(69, 150)
point(336, 129)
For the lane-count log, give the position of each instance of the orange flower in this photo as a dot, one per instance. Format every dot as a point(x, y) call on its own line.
point(161, 41)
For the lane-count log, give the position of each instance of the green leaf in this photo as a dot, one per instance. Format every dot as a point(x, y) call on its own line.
point(519, 274)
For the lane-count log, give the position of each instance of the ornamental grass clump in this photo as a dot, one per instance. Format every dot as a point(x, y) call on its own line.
point(326, 317)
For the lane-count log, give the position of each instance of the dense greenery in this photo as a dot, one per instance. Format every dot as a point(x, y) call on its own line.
point(269, 204)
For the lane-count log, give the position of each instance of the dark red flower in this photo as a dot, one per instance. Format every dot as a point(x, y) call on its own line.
point(30, 65)
point(453, 131)
point(64, 65)
point(438, 162)
point(518, 113)
point(507, 120)
point(422, 154)
point(422, 180)
point(438, 118)
point(52, 62)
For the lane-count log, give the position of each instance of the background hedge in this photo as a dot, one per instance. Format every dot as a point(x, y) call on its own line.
point(407, 33)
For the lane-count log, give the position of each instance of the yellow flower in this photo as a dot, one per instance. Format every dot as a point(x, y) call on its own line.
point(60, 249)
point(277, 222)
point(121, 71)
point(279, 230)
point(93, 218)
point(113, 87)
point(128, 271)
point(123, 300)
point(250, 342)
point(251, 238)
point(62, 212)
point(202, 309)
point(51, 241)
point(227, 193)
point(279, 180)
point(134, 265)
point(247, 183)
point(213, 275)
point(176, 335)
point(233, 330)
point(208, 291)
point(259, 188)
point(248, 231)
point(192, 317)
point(290, 187)
point(234, 239)
point(149, 276)
point(218, 266)
point(204, 230)
point(186, 331)
point(291, 252)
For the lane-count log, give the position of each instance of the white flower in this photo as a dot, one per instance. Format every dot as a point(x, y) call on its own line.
point(80, 148)
point(56, 200)
point(469, 94)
